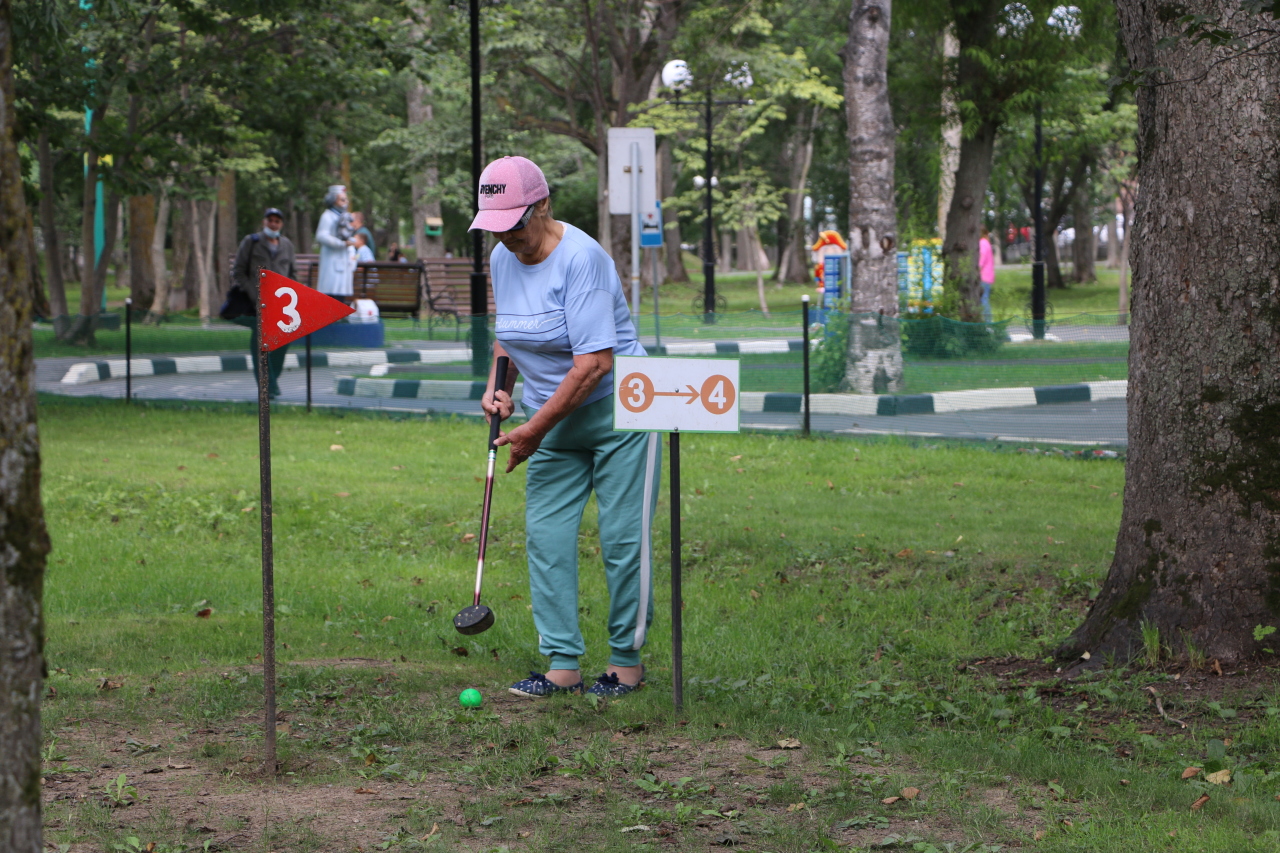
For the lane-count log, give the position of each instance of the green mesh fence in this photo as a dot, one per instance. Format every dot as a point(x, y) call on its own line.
point(419, 364)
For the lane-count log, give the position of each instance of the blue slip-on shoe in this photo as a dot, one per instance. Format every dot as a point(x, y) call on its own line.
point(609, 685)
point(538, 685)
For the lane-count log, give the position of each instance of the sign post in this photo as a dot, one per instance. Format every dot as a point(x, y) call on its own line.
point(651, 238)
point(675, 395)
point(287, 311)
point(633, 187)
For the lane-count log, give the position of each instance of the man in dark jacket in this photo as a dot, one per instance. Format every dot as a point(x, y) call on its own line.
point(267, 249)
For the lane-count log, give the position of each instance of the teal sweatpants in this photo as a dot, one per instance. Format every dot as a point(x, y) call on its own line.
point(580, 454)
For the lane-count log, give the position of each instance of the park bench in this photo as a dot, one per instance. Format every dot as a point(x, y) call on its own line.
point(449, 286)
point(396, 288)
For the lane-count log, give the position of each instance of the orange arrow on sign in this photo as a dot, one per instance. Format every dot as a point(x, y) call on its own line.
point(692, 394)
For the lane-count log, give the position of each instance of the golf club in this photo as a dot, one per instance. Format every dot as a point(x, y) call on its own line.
point(477, 618)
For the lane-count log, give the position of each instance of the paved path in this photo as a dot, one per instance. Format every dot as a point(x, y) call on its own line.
point(1101, 422)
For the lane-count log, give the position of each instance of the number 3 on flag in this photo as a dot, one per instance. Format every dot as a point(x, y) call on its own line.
point(290, 310)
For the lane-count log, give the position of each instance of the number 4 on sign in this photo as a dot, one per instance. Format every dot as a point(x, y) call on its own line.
point(289, 310)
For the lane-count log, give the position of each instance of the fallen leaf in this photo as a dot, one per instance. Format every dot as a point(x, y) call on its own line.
point(1221, 777)
point(795, 807)
point(830, 485)
point(821, 618)
point(336, 447)
point(249, 509)
point(904, 553)
point(958, 485)
point(1124, 781)
point(888, 801)
point(523, 834)
point(178, 766)
point(342, 494)
point(789, 743)
point(639, 827)
point(387, 618)
point(435, 827)
point(1217, 667)
point(755, 593)
point(909, 793)
point(1189, 772)
point(401, 468)
point(1066, 821)
point(1040, 834)
point(209, 455)
point(182, 467)
point(1199, 804)
point(460, 651)
point(205, 613)
point(740, 470)
point(104, 684)
point(365, 791)
point(735, 458)
point(468, 537)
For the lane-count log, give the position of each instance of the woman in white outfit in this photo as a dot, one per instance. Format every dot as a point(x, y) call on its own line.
point(334, 236)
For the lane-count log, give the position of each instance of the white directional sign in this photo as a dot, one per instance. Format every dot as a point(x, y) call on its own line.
point(669, 394)
point(622, 162)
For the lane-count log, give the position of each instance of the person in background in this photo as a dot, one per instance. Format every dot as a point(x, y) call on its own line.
point(395, 255)
point(334, 233)
point(358, 227)
point(267, 249)
point(986, 272)
point(364, 255)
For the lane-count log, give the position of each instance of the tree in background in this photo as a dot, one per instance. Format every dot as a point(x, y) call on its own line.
point(24, 541)
point(1197, 560)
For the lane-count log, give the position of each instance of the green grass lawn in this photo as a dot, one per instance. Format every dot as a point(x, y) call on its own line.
point(839, 597)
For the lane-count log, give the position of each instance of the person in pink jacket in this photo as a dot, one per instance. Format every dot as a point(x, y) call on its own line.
point(986, 272)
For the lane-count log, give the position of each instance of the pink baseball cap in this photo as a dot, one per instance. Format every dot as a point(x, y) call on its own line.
point(507, 187)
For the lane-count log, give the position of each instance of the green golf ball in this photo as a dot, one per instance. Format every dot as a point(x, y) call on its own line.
point(470, 698)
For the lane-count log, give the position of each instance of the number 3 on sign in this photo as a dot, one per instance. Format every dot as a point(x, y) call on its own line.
point(290, 311)
point(637, 392)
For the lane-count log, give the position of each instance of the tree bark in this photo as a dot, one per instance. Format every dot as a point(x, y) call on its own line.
point(202, 239)
point(24, 541)
point(1113, 237)
point(49, 229)
point(793, 262)
point(949, 156)
point(875, 349)
point(673, 254)
point(964, 221)
point(1197, 556)
point(160, 299)
point(420, 112)
point(1083, 249)
point(142, 273)
point(182, 215)
point(1126, 207)
point(228, 237)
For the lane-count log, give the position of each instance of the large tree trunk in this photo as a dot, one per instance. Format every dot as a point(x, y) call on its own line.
point(49, 228)
point(24, 541)
point(1052, 263)
point(964, 220)
point(1127, 215)
point(424, 182)
point(875, 347)
point(673, 254)
point(142, 274)
point(1198, 553)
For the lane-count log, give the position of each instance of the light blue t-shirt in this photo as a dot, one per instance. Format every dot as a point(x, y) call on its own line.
point(568, 305)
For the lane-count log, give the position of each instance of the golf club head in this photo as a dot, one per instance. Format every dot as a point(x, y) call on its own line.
point(475, 619)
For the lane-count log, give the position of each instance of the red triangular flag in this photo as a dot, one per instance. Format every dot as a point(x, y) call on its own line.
point(288, 310)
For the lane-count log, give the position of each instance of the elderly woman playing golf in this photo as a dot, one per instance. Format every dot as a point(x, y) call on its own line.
point(561, 317)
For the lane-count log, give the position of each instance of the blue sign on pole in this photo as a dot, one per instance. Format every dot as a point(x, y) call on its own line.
point(651, 228)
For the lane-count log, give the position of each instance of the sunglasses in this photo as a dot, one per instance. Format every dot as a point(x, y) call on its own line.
point(524, 220)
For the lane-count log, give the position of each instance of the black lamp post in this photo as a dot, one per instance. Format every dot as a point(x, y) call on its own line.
point(479, 287)
point(676, 76)
point(1037, 265)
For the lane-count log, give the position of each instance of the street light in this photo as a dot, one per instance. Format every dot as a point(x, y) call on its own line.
point(479, 286)
point(676, 76)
